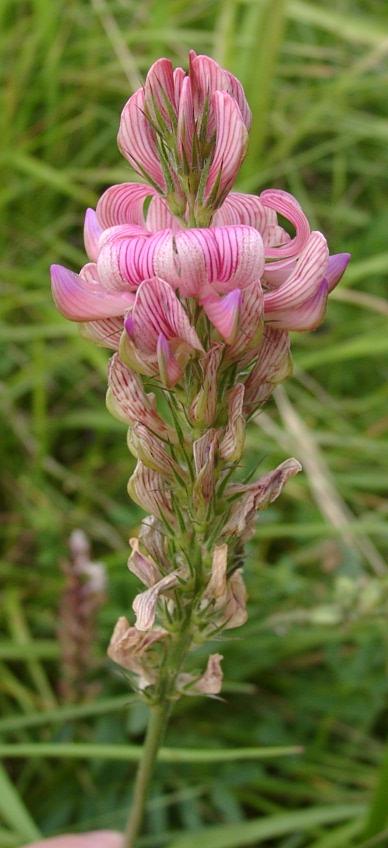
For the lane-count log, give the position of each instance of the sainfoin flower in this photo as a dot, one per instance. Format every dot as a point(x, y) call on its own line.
point(195, 287)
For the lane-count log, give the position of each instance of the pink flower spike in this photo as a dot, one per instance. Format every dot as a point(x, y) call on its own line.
point(81, 300)
point(230, 148)
point(92, 232)
point(336, 268)
point(223, 312)
point(285, 204)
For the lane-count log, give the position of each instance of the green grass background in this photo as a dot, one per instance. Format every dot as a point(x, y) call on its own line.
point(310, 667)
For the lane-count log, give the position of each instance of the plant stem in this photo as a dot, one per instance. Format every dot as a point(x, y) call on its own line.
point(155, 731)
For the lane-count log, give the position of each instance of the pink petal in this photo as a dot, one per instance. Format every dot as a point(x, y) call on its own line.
point(106, 332)
point(337, 266)
point(210, 682)
point(157, 311)
point(257, 496)
point(248, 209)
point(235, 610)
point(159, 87)
point(204, 450)
point(273, 365)
point(218, 259)
point(144, 605)
point(223, 312)
point(142, 566)
point(179, 75)
point(136, 140)
point(128, 402)
point(159, 216)
point(231, 144)
point(285, 204)
point(207, 76)
point(126, 256)
point(92, 232)
point(186, 123)
point(276, 273)
point(204, 407)
point(232, 444)
point(250, 324)
point(123, 204)
point(216, 587)
point(169, 369)
point(149, 490)
point(81, 300)
point(305, 316)
point(304, 280)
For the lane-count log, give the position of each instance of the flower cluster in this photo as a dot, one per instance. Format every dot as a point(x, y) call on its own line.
point(195, 287)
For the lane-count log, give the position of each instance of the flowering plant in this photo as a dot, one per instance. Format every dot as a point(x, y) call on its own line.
point(196, 288)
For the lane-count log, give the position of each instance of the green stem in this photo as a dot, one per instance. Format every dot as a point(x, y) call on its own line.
point(155, 731)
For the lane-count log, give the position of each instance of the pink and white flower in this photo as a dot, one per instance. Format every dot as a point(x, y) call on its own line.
point(182, 126)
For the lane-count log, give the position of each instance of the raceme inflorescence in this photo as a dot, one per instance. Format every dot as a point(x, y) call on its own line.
point(195, 288)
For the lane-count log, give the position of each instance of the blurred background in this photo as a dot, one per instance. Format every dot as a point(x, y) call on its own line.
point(310, 667)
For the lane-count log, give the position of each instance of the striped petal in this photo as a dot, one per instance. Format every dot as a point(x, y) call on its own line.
point(186, 122)
point(149, 490)
point(257, 496)
point(159, 217)
point(128, 402)
point(204, 451)
point(157, 311)
point(82, 300)
point(123, 204)
point(232, 444)
point(92, 232)
point(250, 324)
point(305, 316)
point(230, 147)
point(144, 605)
point(204, 407)
point(159, 91)
point(127, 256)
point(169, 369)
point(273, 365)
point(147, 447)
point(136, 140)
point(223, 312)
point(286, 205)
point(239, 208)
point(207, 76)
point(142, 566)
point(106, 332)
point(303, 282)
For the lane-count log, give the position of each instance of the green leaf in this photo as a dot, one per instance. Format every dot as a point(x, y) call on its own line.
point(257, 830)
point(13, 811)
point(82, 750)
